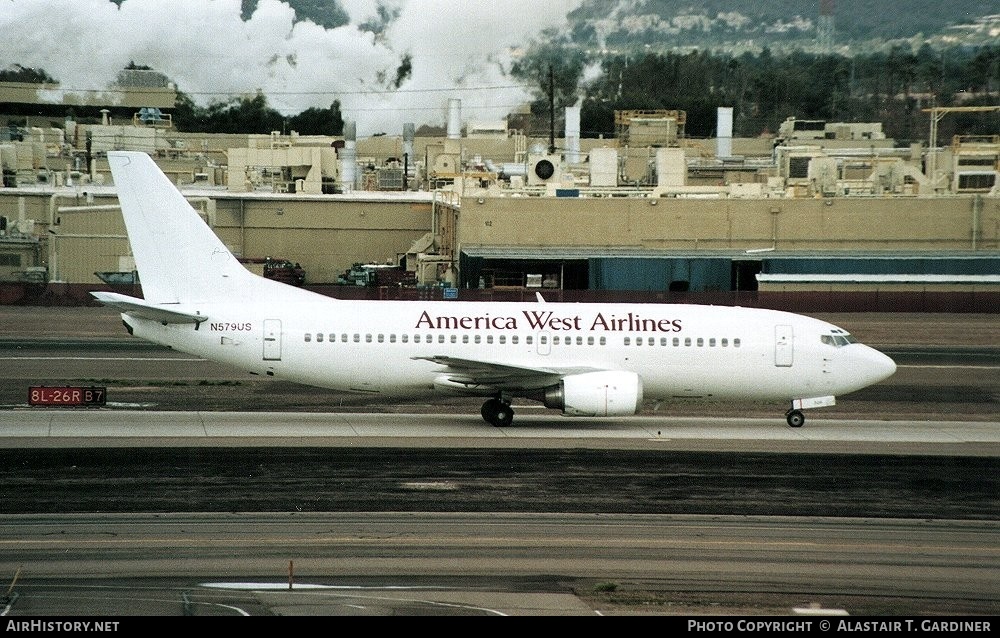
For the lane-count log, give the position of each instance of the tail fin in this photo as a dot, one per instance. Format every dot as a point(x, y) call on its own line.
point(179, 258)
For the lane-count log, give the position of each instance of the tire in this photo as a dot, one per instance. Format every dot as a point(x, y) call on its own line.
point(504, 416)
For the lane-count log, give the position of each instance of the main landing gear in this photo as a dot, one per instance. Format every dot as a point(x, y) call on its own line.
point(795, 418)
point(497, 412)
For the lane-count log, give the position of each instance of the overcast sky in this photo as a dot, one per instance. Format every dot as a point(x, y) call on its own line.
point(459, 48)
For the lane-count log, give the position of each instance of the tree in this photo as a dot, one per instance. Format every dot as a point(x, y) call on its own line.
point(315, 121)
point(18, 73)
point(249, 115)
point(555, 66)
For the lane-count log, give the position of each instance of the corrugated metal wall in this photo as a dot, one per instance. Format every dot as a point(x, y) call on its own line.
point(882, 266)
point(678, 274)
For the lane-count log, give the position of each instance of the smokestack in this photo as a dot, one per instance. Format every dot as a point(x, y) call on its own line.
point(409, 134)
point(724, 132)
point(572, 134)
point(454, 119)
point(348, 162)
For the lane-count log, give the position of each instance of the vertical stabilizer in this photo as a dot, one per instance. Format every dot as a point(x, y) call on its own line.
point(179, 258)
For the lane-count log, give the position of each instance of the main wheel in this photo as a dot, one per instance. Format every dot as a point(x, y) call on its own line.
point(497, 413)
point(795, 418)
point(489, 411)
point(504, 415)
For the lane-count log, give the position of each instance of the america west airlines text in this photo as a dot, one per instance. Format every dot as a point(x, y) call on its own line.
point(548, 320)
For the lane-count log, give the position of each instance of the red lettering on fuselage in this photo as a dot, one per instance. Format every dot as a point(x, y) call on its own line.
point(539, 320)
point(549, 320)
point(480, 322)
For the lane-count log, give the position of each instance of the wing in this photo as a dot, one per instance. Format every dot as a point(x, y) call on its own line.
point(486, 376)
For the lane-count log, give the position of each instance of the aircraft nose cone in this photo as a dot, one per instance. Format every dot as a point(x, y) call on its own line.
point(877, 366)
point(860, 366)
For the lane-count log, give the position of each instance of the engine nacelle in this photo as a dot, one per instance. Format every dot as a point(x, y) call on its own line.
point(609, 393)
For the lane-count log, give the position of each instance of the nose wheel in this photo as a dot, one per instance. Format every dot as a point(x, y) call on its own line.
point(795, 418)
point(498, 413)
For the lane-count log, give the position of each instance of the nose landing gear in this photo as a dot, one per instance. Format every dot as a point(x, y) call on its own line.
point(795, 418)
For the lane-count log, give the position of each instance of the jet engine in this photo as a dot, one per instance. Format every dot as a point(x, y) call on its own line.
point(606, 393)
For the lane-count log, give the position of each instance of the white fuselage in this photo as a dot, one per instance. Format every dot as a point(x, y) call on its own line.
point(384, 347)
point(584, 359)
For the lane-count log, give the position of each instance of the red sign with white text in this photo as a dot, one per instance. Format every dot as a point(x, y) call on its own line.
point(67, 396)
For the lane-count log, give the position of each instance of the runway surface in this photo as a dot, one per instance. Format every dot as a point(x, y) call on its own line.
point(25, 428)
point(200, 492)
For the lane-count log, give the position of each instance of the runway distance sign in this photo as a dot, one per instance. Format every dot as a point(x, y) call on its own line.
point(67, 395)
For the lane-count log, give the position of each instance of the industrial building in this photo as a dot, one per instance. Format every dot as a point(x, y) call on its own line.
point(822, 215)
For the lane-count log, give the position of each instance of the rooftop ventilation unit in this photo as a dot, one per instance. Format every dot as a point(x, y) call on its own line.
point(543, 169)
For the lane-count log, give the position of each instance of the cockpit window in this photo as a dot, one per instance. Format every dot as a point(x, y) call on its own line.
point(838, 340)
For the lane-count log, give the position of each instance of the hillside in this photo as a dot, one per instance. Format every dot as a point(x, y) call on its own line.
point(737, 26)
point(774, 23)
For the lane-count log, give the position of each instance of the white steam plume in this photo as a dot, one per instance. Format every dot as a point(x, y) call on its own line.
point(458, 49)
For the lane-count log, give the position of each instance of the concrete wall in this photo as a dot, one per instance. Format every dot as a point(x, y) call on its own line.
point(328, 234)
point(326, 237)
point(951, 223)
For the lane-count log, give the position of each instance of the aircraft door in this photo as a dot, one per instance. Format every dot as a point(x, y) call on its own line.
point(272, 340)
point(784, 337)
point(544, 344)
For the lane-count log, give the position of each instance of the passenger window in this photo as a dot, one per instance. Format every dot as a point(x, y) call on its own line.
point(736, 342)
point(711, 342)
point(343, 337)
point(725, 342)
point(628, 341)
point(590, 341)
point(503, 338)
point(677, 341)
point(308, 337)
point(319, 337)
point(604, 341)
point(555, 340)
point(381, 338)
point(489, 338)
point(529, 340)
point(478, 339)
point(513, 339)
point(687, 341)
point(368, 338)
point(543, 339)
point(416, 338)
point(701, 342)
point(465, 338)
point(357, 338)
point(392, 338)
point(454, 339)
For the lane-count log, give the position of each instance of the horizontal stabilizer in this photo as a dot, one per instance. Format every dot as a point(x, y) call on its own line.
point(164, 313)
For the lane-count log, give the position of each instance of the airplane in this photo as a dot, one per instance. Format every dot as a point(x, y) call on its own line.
point(584, 359)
